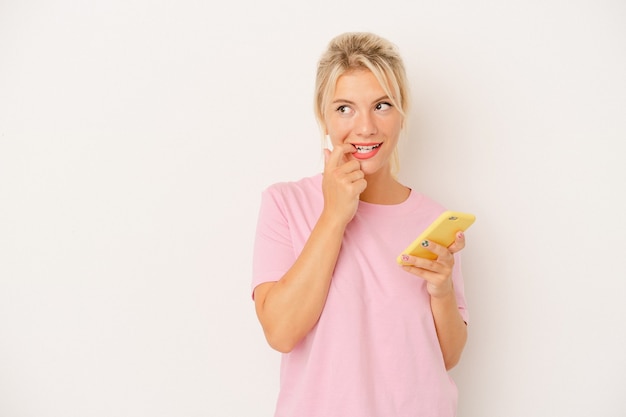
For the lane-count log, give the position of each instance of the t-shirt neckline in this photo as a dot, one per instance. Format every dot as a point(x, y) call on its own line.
point(404, 207)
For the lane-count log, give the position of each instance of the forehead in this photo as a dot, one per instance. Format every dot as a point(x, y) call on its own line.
point(358, 84)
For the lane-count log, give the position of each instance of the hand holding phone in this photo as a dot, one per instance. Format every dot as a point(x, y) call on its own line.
point(442, 231)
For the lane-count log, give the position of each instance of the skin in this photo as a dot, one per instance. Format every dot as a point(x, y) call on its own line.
point(359, 113)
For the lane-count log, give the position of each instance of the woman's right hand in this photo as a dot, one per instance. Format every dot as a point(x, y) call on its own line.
point(342, 184)
point(289, 308)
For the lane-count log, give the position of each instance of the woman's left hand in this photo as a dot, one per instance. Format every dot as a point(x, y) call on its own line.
point(438, 272)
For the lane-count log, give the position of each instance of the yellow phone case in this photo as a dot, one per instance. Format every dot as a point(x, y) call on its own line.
point(442, 231)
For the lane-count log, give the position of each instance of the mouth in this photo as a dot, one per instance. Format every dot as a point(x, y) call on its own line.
point(366, 151)
point(363, 149)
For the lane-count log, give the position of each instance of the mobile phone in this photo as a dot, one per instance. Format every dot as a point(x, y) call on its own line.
point(442, 231)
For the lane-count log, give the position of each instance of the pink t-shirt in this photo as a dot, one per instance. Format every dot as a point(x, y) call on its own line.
point(374, 351)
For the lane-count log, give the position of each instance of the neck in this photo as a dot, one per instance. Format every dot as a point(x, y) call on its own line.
point(383, 188)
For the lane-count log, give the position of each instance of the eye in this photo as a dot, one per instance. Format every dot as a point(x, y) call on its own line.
point(383, 106)
point(344, 109)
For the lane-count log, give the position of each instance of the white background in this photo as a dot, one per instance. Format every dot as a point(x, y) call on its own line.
point(136, 137)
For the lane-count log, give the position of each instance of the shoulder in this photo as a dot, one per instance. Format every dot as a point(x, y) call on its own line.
point(294, 199)
point(290, 210)
point(423, 203)
point(308, 187)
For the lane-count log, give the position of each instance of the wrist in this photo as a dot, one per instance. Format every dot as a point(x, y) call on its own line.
point(329, 219)
point(443, 295)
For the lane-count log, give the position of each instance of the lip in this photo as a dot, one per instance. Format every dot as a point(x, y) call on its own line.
point(366, 155)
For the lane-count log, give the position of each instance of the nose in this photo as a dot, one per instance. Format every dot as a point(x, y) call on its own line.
point(366, 125)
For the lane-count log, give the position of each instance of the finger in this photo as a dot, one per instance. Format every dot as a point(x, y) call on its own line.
point(416, 263)
point(360, 185)
point(338, 155)
point(355, 174)
point(459, 243)
point(433, 271)
point(425, 274)
point(438, 285)
point(350, 167)
point(443, 253)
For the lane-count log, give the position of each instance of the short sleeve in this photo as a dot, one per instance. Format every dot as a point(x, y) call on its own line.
point(273, 245)
point(459, 287)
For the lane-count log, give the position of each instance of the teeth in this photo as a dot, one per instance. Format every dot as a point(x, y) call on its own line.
point(366, 149)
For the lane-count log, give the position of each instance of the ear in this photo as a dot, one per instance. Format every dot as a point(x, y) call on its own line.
point(327, 142)
point(326, 155)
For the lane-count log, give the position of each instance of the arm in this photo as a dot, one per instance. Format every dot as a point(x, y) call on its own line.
point(451, 329)
point(290, 307)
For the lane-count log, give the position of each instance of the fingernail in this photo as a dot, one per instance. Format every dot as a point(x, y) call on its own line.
point(405, 258)
point(425, 243)
point(461, 235)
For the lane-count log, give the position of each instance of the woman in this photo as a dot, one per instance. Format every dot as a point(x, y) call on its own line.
point(361, 336)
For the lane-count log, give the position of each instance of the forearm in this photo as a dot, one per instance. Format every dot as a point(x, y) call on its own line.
point(451, 329)
point(292, 306)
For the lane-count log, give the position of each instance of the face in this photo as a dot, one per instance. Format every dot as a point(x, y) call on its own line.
point(360, 113)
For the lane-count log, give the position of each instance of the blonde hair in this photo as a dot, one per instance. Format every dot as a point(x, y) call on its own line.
point(361, 50)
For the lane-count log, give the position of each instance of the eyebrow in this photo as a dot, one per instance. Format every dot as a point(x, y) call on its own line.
point(341, 100)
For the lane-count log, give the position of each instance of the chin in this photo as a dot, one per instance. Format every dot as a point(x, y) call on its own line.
point(372, 168)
